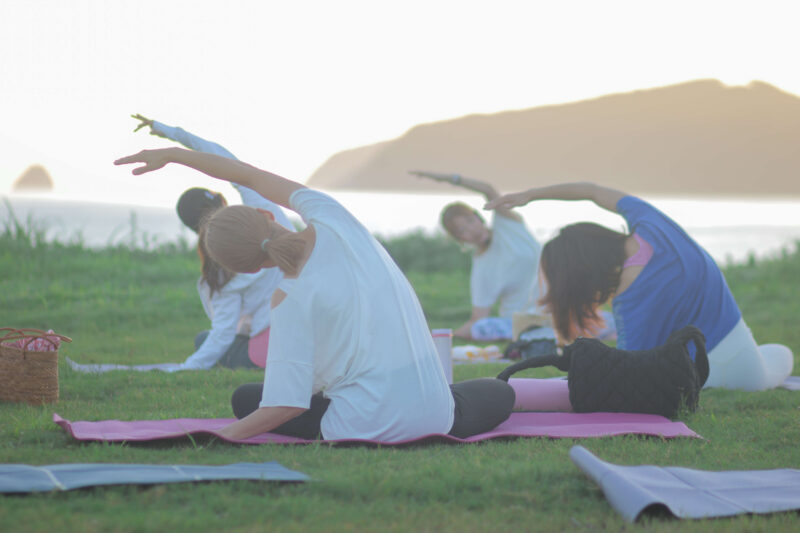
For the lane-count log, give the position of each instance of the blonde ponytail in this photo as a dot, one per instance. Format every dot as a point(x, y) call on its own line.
point(242, 239)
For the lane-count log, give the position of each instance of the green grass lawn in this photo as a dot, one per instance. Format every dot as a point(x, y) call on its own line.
point(137, 307)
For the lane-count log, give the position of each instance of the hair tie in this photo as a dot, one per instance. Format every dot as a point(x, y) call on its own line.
point(264, 244)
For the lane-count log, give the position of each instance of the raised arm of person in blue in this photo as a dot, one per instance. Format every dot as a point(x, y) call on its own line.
point(658, 280)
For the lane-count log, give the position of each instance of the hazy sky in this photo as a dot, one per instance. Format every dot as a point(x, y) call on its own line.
point(285, 85)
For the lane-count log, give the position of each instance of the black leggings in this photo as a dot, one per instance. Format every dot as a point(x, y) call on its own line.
point(480, 405)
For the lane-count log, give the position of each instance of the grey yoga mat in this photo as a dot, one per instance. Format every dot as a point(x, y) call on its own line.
point(791, 383)
point(19, 478)
point(636, 490)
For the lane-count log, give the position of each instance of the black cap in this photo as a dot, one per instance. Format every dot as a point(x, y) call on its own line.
point(197, 203)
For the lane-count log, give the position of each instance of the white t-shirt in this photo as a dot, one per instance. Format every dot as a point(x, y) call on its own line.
point(352, 327)
point(240, 306)
point(508, 269)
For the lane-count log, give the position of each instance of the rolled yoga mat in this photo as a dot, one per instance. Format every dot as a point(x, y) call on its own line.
point(634, 491)
point(533, 394)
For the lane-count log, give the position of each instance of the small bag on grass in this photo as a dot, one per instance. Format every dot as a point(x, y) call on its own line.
point(29, 365)
point(660, 381)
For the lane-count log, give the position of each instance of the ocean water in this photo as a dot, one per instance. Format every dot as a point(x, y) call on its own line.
point(96, 224)
point(731, 230)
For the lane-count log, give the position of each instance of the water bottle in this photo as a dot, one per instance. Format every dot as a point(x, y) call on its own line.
point(443, 339)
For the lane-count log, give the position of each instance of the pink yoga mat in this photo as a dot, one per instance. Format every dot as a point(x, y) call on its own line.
point(553, 425)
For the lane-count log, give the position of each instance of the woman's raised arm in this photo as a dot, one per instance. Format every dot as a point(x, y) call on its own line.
point(269, 185)
point(481, 187)
point(604, 197)
point(459, 181)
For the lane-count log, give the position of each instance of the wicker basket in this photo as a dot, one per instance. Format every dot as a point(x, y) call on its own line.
point(28, 375)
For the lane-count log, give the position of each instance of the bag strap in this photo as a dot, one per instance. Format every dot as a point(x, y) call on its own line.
point(693, 333)
point(560, 362)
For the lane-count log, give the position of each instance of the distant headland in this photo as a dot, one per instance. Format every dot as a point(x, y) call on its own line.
point(34, 179)
point(695, 138)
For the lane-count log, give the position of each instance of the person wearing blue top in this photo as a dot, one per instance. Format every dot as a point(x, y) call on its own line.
point(236, 304)
point(658, 280)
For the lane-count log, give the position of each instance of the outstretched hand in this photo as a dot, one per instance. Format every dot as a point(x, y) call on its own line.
point(152, 159)
point(144, 121)
point(508, 201)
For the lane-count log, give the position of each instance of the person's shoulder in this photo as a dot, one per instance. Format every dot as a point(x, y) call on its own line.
point(304, 198)
point(631, 202)
point(316, 206)
point(514, 228)
point(510, 217)
point(634, 209)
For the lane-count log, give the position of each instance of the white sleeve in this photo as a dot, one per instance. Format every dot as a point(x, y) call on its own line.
point(312, 205)
point(253, 199)
point(227, 308)
point(191, 141)
point(289, 375)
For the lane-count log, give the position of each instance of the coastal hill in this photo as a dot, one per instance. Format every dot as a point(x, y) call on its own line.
point(695, 138)
point(34, 179)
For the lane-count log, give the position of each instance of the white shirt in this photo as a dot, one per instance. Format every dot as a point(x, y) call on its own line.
point(508, 269)
point(242, 305)
point(352, 327)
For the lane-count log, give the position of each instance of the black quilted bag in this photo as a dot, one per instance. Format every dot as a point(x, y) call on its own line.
point(661, 381)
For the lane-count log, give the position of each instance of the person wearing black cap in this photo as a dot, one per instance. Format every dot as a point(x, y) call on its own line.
point(236, 304)
point(351, 355)
point(195, 204)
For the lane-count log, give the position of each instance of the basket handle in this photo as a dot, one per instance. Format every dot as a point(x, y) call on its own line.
point(11, 331)
point(31, 334)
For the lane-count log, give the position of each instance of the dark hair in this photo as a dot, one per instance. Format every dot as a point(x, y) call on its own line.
point(582, 267)
point(453, 211)
point(214, 274)
point(196, 204)
point(241, 238)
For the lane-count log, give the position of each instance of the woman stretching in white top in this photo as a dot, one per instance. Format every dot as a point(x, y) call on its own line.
point(505, 260)
point(350, 353)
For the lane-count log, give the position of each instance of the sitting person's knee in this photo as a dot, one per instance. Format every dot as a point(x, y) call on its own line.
point(246, 398)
